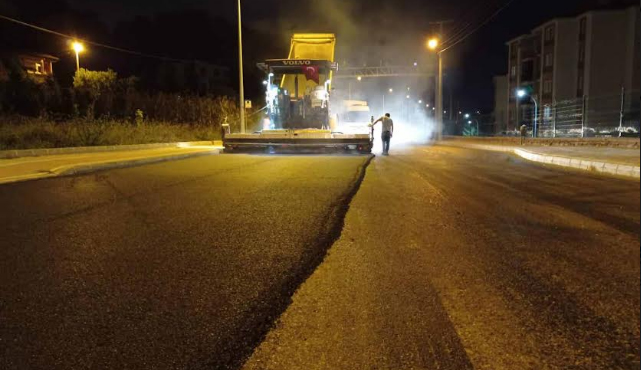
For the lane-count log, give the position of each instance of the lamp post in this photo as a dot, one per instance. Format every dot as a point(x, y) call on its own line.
point(390, 91)
point(521, 93)
point(78, 48)
point(433, 44)
point(241, 87)
point(477, 125)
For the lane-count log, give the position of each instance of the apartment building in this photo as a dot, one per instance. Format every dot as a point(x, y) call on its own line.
point(593, 54)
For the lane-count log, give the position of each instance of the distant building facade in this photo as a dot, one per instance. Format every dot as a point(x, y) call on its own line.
point(593, 54)
point(37, 65)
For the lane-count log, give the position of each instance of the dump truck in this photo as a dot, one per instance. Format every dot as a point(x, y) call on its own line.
point(354, 117)
point(298, 115)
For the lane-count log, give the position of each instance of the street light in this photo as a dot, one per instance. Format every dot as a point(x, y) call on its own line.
point(390, 91)
point(359, 78)
point(78, 48)
point(477, 124)
point(433, 45)
point(467, 115)
point(521, 93)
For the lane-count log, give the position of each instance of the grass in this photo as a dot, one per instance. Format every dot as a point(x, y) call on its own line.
point(32, 133)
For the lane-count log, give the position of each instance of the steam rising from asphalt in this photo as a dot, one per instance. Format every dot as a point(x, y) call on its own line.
point(379, 33)
point(406, 133)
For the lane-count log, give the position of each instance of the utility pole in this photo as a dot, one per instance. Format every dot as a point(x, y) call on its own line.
point(439, 93)
point(439, 99)
point(622, 111)
point(240, 72)
point(451, 103)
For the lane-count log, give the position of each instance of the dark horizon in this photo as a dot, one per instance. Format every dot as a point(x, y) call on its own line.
point(367, 32)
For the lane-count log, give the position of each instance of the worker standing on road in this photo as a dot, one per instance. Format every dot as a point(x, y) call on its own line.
point(523, 131)
point(388, 131)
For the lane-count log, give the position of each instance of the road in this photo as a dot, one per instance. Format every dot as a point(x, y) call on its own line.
point(458, 259)
point(446, 258)
point(181, 264)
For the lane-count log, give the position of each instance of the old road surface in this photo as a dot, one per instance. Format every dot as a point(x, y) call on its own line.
point(432, 258)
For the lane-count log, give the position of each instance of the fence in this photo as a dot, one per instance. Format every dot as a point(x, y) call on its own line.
point(613, 115)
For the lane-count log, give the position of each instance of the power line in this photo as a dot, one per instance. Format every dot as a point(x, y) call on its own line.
point(478, 9)
point(133, 52)
point(461, 39)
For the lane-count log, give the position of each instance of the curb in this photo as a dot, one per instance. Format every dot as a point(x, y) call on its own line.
point(82, 168)
point(617, 169)
point(12, 154)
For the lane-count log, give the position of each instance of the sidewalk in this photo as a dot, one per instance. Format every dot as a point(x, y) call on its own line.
point(611, 161)
point(29, 168)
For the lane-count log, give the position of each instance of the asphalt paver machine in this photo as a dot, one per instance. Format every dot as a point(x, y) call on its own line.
point(298, 115)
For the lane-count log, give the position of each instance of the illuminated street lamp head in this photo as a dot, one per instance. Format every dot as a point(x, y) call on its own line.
point(77, 47)
point(521, 93)
point(359, 78)
point(432, 43)
point(407, 96)
point(391, 90)
point(470, 122)
point(467, 115)
point(420, 102)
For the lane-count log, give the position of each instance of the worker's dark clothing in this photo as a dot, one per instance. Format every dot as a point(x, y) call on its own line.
point(386, 136)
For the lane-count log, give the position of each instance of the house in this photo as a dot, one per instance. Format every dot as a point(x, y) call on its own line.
point(37, 65)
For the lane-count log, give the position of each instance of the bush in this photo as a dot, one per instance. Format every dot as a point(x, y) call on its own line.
point(103, 110)
point(31, 133)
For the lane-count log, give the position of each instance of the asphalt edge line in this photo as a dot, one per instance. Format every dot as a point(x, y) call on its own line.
point(618, 169)
point(88, 167)
point(22, 153)
point(327, 236)
point(587, 165)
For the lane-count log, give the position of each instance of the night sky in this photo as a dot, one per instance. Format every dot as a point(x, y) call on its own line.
point(369, 31)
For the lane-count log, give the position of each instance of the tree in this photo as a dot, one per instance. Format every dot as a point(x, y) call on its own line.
point(90, 85)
